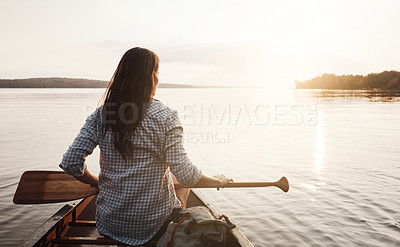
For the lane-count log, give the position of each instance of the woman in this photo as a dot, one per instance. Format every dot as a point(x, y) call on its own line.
point(141, 146)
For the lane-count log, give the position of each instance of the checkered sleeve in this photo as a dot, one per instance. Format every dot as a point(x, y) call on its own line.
point(73, 161)
point(184, 170)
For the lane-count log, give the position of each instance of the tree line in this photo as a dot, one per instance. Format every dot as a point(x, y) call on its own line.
point(57, 82)
point(386, 80)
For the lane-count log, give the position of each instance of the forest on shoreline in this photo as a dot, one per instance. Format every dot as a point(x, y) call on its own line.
point(57, 82)
point(386, 80)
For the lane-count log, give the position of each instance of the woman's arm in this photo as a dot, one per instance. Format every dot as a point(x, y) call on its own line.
point(185, 172)
point(88, 178)
point(73, 161)
point(183, 193)
point(175, 155)
point(219, 181)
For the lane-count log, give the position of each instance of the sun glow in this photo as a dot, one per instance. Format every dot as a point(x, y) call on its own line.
point(226, 43)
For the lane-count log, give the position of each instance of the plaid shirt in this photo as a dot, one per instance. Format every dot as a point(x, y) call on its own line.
point(136, 196)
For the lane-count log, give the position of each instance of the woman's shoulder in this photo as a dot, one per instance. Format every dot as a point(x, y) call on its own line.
point(96, 116)
point(160, 110)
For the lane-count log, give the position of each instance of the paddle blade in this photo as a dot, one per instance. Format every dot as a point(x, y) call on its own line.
point(283, 184)
point(37, 187)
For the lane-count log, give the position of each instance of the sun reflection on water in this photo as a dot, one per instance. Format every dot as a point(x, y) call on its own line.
point(319, 146)
point(319, 157)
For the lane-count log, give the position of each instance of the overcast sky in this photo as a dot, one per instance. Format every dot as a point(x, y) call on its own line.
point(269, 43)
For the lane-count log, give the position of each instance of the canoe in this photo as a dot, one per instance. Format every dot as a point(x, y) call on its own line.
point(74, 225)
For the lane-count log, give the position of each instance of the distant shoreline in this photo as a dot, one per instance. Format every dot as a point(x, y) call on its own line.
point(59, 82)
point(384, 81)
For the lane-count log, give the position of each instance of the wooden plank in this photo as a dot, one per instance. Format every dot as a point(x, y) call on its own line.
point(93, 241)
point(87, 240)
point(83, 223)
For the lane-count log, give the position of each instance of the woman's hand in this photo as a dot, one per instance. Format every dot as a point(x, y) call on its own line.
point(223, 180)
point(218, 181)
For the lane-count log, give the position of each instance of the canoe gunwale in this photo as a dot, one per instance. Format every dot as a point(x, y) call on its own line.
point(57, 224)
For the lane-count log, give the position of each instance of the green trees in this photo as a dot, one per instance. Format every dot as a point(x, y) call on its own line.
point(386, 80)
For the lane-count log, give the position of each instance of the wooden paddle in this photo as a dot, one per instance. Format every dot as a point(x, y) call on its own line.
point(282, 184)
point(36, 187)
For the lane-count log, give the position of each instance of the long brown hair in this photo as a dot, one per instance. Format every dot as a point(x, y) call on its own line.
point(128, 95)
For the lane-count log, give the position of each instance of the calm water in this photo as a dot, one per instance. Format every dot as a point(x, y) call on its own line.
point(340, 151)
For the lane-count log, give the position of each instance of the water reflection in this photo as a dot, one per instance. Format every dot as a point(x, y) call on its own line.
point(319, 146)
point(370, 95)
point(318, 156)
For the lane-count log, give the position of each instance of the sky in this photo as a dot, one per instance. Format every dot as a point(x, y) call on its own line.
point(227, 43)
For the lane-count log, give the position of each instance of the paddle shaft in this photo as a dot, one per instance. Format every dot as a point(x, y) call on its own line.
point(282, 183)
point(37, 187)
point(237, 185)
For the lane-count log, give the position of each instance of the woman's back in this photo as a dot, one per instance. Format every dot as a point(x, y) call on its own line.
point(137, 194)
point(141, 144)
point(141, 187)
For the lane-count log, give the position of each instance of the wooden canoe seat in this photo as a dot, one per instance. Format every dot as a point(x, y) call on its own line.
point(93, 241)
point(83, 223)
point(86, 240)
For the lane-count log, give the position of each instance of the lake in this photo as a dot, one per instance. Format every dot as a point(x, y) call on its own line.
point(340, 151)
